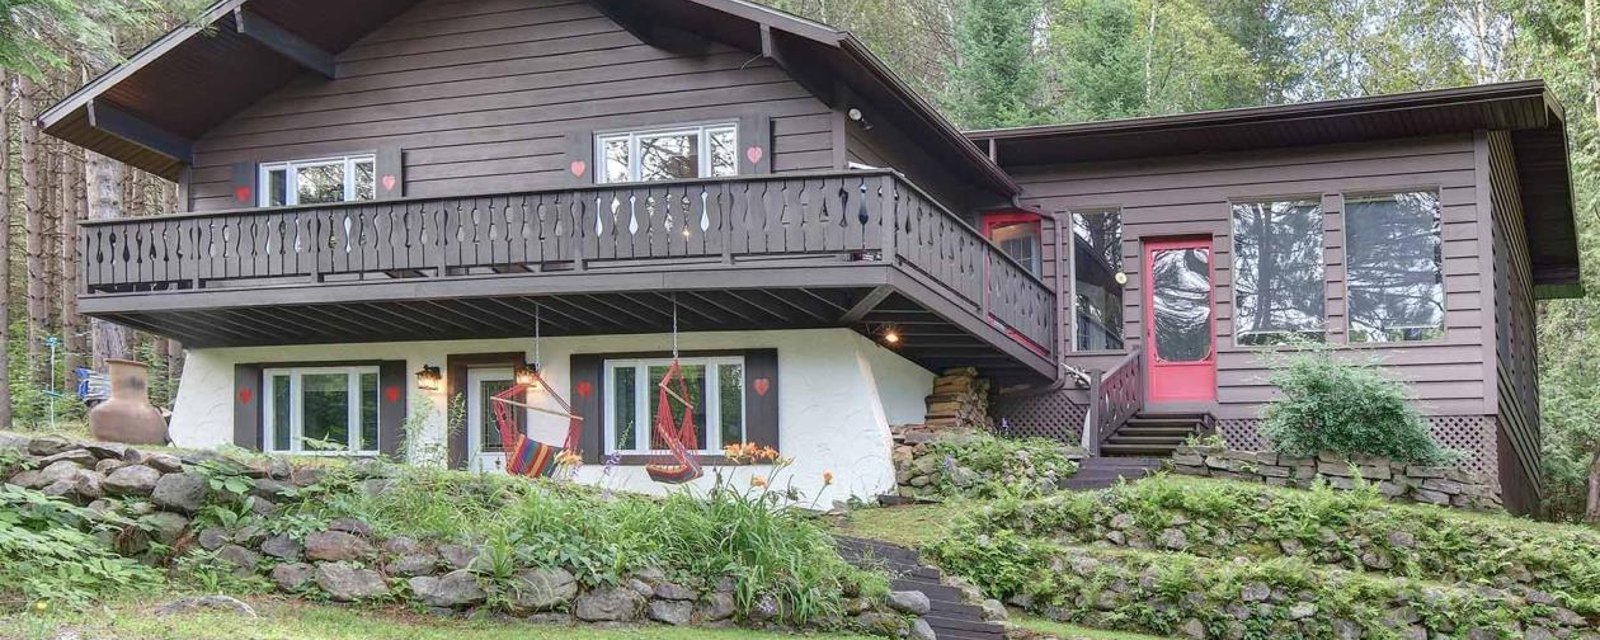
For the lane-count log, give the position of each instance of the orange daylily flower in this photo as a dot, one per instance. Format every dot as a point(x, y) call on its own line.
point(827, 478)
point(758, 481)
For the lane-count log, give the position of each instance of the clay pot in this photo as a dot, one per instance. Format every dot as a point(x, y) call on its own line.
point(128, 416)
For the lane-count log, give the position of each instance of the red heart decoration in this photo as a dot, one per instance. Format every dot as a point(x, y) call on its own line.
point(388, 183)
point(392, 393)
point(244, 395)
point(579, 167)
point(761, 385)
point(241, 193)
point(584, 388)
point(754, 154)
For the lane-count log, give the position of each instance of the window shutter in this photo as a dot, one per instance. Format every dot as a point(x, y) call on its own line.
point(755, 140)
point(761, 397)
point(244, 185)
point(392, 408)
point(585, 397)
point(389, 173)
point(247, 399)
point(580, 158)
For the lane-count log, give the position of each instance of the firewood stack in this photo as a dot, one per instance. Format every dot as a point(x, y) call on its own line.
point(960, 400)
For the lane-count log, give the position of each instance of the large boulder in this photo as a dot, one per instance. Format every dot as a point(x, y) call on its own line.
point(348, 583)
point(673, 612)
point(913, 602)
point(49, 446)
point(336, 546)
point(610, 604)
point(457, 556)
point(58, 471)
point(183, 492)
point(412, 564)
point(542, 590)
point(717, 606)
point(136, 480)
point(164, 462)
point(283, 547)
point(453, 590)
point(78, 457)
point(165, 527)
point(291, 577)
point(244, 561)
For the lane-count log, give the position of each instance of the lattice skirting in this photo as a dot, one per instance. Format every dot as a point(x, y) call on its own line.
point(1051, 415)
point(1474, 436)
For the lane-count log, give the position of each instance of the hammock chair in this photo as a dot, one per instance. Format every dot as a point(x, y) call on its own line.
point(526, 456)
point(683, 464)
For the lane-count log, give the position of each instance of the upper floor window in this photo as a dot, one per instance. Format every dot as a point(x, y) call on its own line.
point(676, 153)
point(1279, 292)
point(1097, 279)
point(1394, 267)
point(716, 387)
point(319, 181)
point(1018, 236)
point(329, 410)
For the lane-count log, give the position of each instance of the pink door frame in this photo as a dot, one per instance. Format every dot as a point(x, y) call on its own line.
point(1178, 382)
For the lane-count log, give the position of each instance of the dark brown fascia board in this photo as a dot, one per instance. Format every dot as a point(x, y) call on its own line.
point(1522, 89)
point(80, 99)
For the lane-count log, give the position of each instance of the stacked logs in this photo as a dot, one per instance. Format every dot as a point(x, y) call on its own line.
point(960, 400)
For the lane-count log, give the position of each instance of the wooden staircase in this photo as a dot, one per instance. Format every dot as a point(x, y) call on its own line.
point(1154, 435)
point(1104, 473)
point(951, 617)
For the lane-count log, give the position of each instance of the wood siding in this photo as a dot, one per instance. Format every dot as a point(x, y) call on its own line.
point(878, 143)
point(1516, 355)
point(482, 96)
point(1191, 196)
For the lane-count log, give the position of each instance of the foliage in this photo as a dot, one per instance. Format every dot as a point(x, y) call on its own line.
point(997, 78)
point(983, 465)
point(37, 36)
point(50, 552)
point(1227, 520)
point(1333, 405)
point(31, 401)
point(771, 551)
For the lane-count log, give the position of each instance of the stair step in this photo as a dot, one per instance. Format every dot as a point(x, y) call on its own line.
point(1157, 429)
point(1140, 450)
point(958, 624)
point(1122, 438)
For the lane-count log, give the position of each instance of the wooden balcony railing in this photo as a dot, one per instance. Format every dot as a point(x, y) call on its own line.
point(865, 216)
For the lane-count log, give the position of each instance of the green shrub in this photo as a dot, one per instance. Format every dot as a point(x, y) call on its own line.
point(1345, 408)
point(50, 553)
point(983, 465)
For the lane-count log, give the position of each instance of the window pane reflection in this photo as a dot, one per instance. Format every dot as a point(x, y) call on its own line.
point(1395, 267)
point(1097, 263)
point(1278, 285)
point(1181, 288)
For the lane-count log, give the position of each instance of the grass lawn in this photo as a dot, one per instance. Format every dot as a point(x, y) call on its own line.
point(1046, 625)
point(909, 525)
point(285, 620)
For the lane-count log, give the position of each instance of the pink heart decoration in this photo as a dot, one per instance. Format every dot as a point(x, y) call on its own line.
point(761, 385)
point(241, 193)
point(392, 393)
point(244, 395)
point(579, 167)
point(754, 154)
point(584, 388)
point(388, 183)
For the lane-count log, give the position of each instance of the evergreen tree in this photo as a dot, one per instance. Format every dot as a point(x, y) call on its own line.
point(997, 79)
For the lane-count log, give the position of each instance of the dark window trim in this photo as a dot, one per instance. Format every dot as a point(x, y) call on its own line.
point(456, 366)
point(1444, 290)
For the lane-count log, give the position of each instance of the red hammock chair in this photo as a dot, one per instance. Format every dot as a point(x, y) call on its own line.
point(684, 464)
point(526, 456)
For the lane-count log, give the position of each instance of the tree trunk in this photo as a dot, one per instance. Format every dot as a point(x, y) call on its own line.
point(33, 220)
point(106, 181)
point(5, 250)
point(73, 206)
point(1591, 511)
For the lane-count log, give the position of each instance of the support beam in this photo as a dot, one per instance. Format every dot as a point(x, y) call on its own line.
point(865, 306)
point(272, 36)
point(129, 127)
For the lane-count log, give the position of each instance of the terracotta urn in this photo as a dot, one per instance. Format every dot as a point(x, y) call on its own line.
point(128, 416)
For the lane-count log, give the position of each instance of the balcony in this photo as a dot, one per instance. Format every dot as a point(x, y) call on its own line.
point(866, 250)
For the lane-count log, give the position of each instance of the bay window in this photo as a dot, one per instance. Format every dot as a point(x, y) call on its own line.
point(1395, 267)
point(716, 387)
point(318, 181)
point(321, 410)
point(676, 153)
point(1279, 291)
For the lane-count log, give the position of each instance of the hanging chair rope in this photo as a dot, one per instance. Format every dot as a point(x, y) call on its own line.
point(526, 456)
point(677, 434)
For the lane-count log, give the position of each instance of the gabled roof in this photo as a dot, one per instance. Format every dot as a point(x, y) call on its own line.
point(1526, 109)
point(147, 111)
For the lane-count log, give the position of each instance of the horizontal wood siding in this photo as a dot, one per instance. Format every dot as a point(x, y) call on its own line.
point(482, 95)
point(1516, 354)
point(881, 144)
point(1191, 196)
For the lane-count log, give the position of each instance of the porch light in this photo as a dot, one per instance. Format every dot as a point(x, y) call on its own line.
point(528, 376)
point(430, 378)
point(891, 337)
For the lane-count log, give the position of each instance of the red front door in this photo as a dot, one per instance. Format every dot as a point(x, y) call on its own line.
point(1180, 321)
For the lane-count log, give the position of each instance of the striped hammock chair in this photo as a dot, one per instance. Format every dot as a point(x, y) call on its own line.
point(683, 464)
point(526, 456)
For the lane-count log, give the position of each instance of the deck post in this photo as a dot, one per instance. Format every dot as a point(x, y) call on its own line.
point(889, 218)
point(1091, 424)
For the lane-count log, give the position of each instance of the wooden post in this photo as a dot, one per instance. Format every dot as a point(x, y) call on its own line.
point(1091, 434)
point(890, 218)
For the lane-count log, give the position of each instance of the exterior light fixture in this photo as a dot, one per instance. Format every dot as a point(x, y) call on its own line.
point(430, 378)
point(528, 376)
point(891, 337)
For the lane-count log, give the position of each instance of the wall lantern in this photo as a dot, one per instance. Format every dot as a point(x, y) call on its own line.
point(528, 376)
point(430, 378)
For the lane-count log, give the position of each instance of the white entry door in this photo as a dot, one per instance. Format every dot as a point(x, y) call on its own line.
point(484, 450)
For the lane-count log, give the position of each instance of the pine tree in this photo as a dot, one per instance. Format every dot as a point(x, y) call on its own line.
point(997, 79)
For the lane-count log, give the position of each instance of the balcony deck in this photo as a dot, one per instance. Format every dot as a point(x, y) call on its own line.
point(865, 250)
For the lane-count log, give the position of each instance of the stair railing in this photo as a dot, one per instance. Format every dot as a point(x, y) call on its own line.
point(1115, 396)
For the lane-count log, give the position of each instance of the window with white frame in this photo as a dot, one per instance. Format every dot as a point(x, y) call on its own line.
point(321, 410)
point(716, 387)
point(674, 153)
point(319, 181)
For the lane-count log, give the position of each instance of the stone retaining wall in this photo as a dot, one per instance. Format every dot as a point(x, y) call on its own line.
point(1398, 481)
point(345, 561)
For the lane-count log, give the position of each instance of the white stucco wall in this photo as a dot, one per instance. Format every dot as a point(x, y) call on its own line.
point(838, 394)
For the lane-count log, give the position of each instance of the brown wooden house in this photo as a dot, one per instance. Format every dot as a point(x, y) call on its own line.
point(374, 188)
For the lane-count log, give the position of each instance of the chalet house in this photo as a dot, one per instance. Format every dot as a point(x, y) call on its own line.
point(390, 204)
